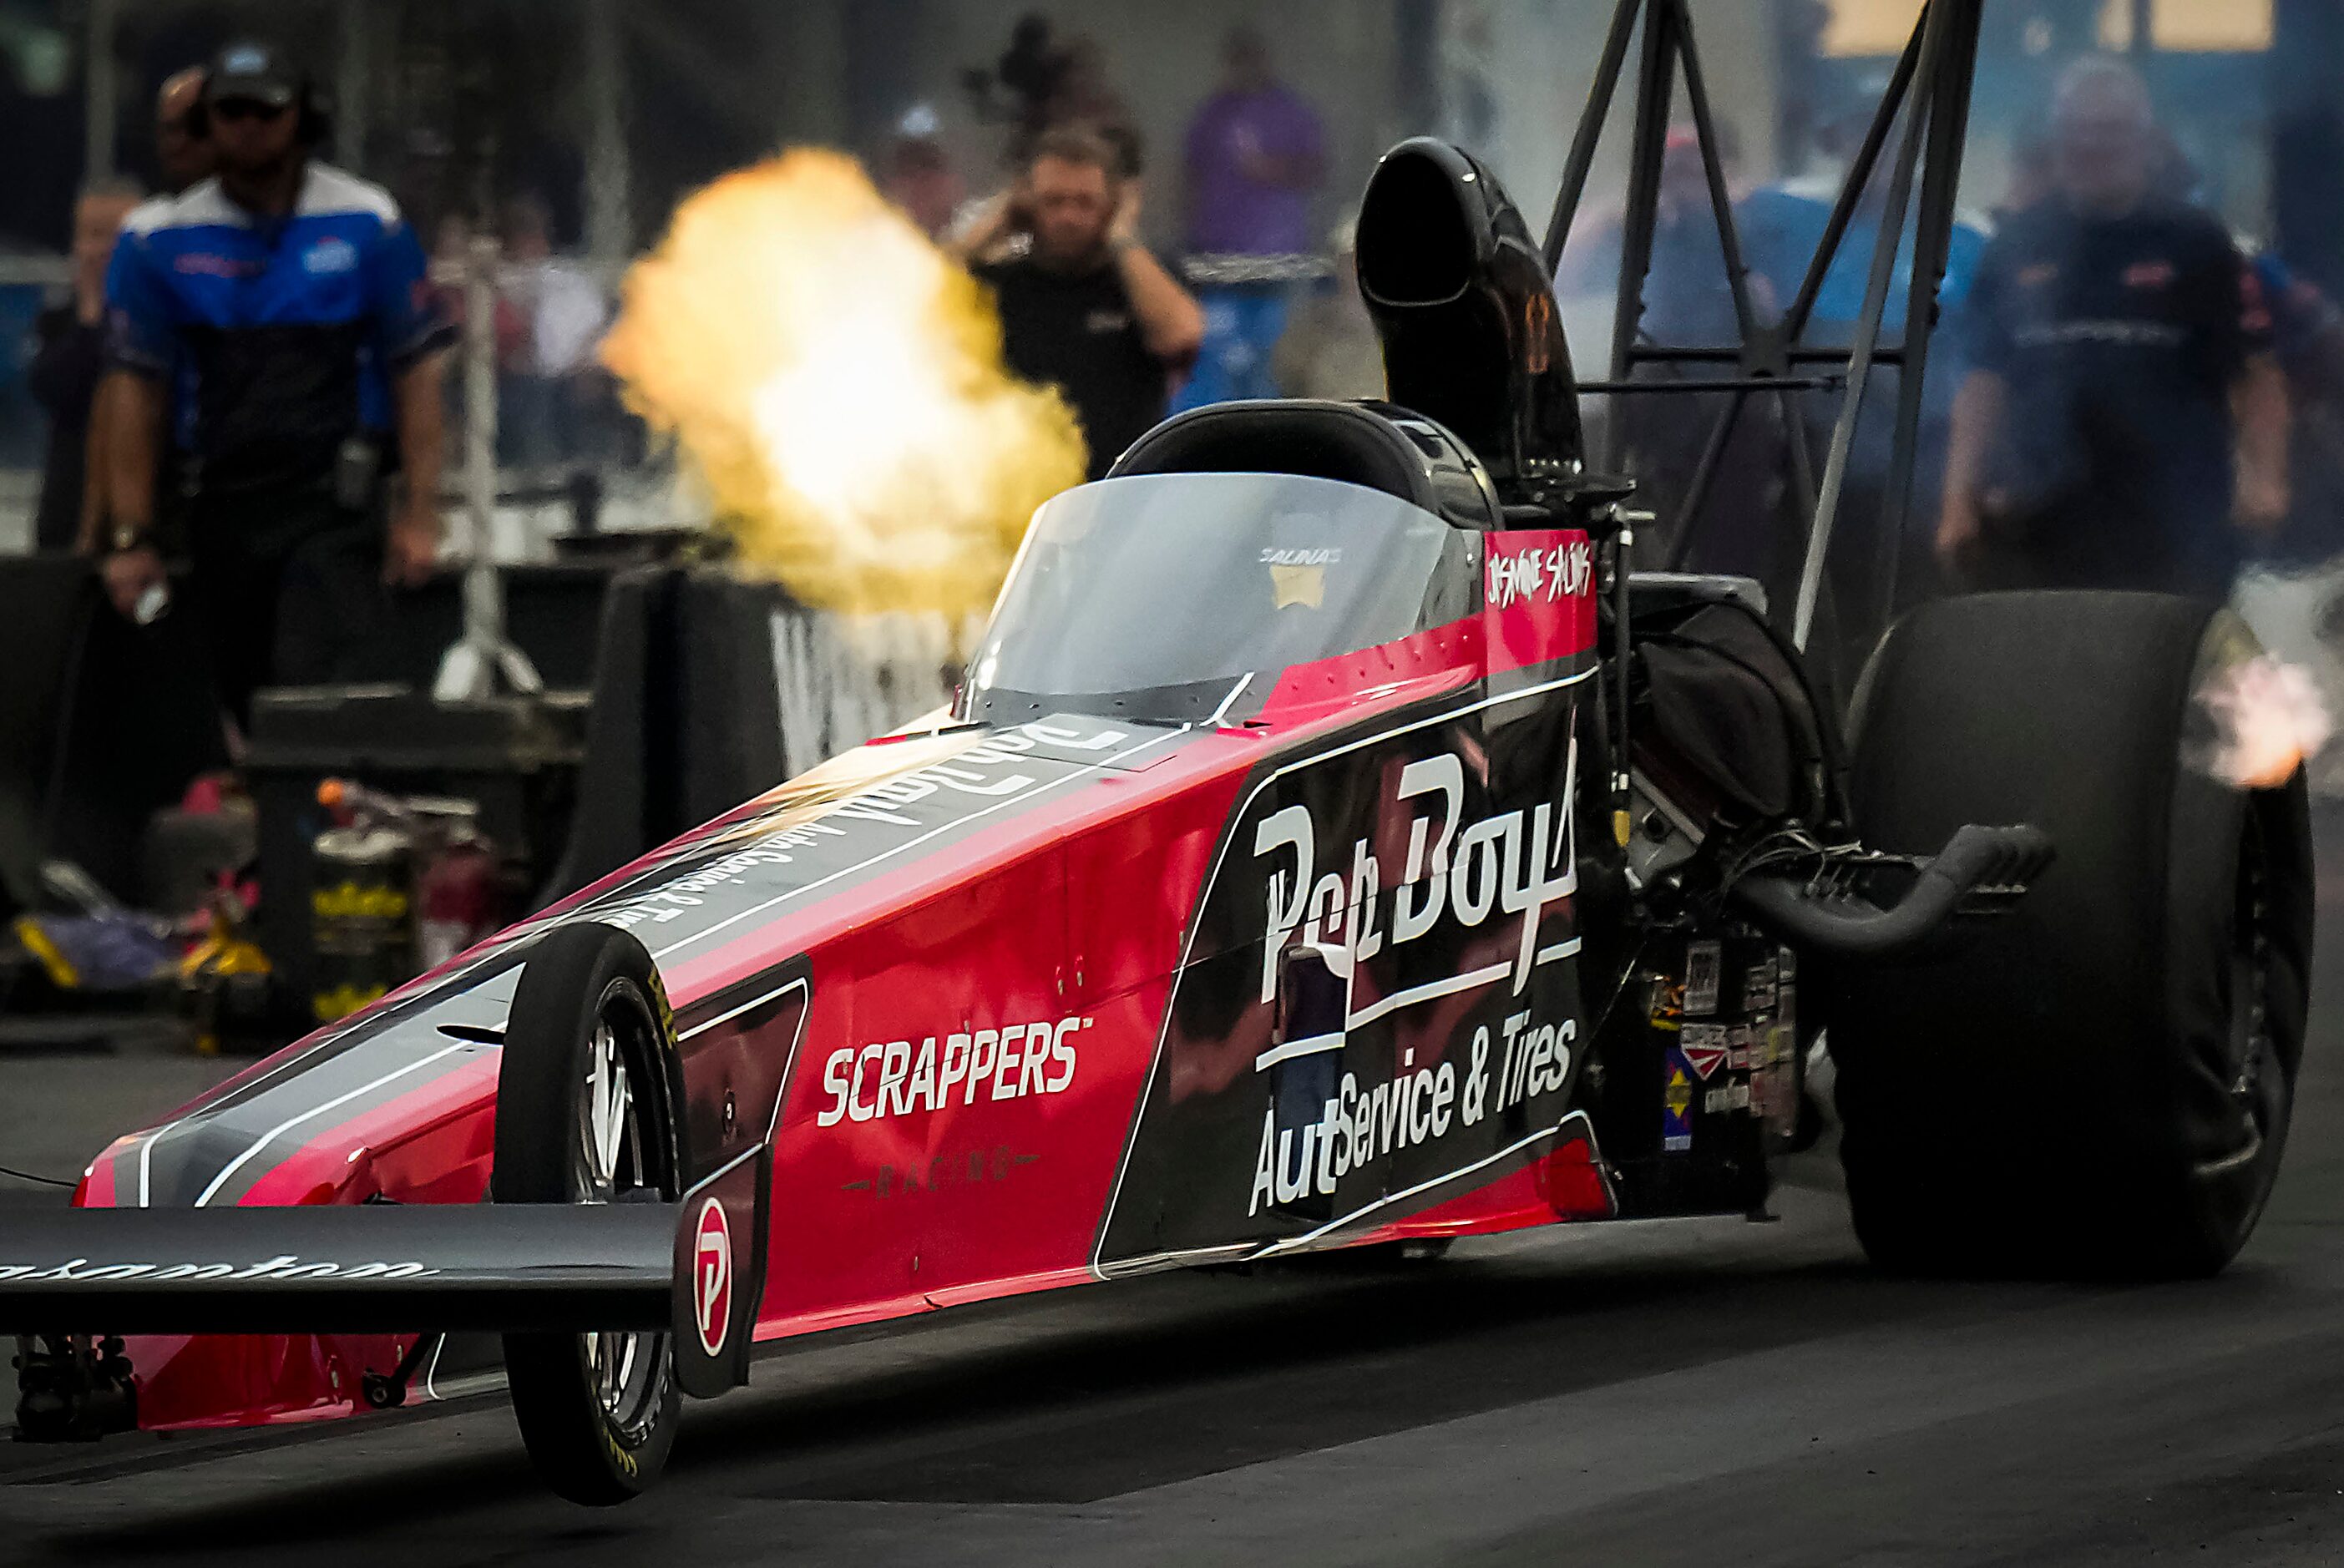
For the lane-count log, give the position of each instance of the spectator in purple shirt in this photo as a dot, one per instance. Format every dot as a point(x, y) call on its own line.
point(1255, 156)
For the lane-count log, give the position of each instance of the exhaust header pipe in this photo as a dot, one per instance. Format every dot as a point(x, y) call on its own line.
point(1973, 860)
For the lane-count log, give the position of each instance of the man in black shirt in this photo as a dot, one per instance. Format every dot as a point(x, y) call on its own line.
point(2123, 424)
point(1084, 306)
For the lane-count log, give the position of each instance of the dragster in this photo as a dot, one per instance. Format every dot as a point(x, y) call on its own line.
point(1337, 842)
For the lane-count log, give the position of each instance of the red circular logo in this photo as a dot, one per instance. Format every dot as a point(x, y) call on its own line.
point(711, 1276)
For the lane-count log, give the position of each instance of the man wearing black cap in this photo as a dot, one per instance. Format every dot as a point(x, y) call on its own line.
point(287, 300)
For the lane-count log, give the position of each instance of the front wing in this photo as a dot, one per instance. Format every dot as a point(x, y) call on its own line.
point(340, 1269)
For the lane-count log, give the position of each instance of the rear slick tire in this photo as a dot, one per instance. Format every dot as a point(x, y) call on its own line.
point(2097, 1083)
point(586, 1099)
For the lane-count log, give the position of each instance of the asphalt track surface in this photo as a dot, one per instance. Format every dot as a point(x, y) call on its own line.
point(1703, 1392)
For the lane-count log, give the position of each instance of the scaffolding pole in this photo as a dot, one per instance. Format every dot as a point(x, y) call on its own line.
point(353, 60)
point(610, 227)
point(482, 658)
point(102, 92)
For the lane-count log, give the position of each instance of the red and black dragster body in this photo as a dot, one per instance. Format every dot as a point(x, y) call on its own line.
point(1003, 1000)
point(1270, 888)
point(1236, 910)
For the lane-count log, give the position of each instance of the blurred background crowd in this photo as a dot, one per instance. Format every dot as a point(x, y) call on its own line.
point(569, 130)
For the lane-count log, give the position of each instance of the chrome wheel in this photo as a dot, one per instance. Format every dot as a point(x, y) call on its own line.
point(621, 1156)
point(2257, 1084)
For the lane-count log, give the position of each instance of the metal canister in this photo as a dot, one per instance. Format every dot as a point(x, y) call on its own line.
point(361, 909)
point(460, 894)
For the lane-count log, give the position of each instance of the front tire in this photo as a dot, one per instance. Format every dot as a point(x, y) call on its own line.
point(586, 1114)
point(2099, 1081)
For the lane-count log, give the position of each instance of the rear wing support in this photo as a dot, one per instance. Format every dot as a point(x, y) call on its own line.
point(1930, 90)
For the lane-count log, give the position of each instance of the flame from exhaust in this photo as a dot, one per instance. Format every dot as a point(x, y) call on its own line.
point(2269, 719)
point(838, 383)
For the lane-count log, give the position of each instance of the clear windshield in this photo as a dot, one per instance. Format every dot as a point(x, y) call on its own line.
point(1169, 581)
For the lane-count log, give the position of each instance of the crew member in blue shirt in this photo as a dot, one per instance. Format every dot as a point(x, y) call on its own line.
point(272, 330)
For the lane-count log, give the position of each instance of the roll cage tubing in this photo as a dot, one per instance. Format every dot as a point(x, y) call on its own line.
point(1932, 79)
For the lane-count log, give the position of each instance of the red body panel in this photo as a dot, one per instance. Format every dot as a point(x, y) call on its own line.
point(986, 1010)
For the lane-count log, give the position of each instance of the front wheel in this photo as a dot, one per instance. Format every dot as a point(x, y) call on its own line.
point(586, 1114)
